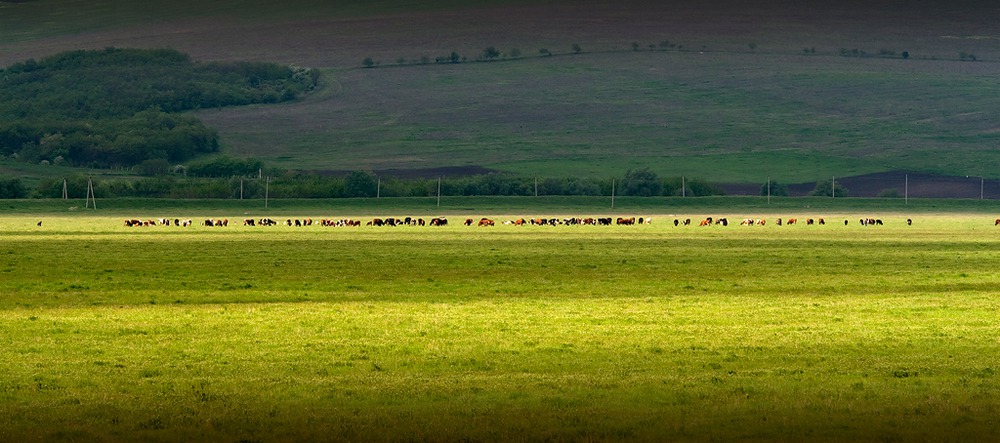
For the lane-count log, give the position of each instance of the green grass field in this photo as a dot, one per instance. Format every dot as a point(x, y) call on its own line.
point(649, 332)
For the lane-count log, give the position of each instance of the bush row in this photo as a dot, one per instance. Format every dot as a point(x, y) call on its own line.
point(364, 184)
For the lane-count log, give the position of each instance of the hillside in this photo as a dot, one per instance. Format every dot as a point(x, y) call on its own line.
point(730, 92)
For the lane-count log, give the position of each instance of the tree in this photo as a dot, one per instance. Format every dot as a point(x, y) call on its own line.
point(826, 188)
point(153, 167)
point(635, 46)
point(776, 189)
point(490, 53)
point(12, 188)
point(545, 52)
point(368, 63)
point(752, 46)
point(576, 48)
point(360, 184)
point(641, 182)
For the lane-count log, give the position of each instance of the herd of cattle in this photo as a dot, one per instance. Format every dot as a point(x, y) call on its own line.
point(486, 221)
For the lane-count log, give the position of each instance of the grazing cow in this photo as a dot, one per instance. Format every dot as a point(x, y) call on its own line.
point(909, 222)
point(248, 222)
point(822, 222)
point(687, 221)
point(706, 222)
point(469, 222)
point(747, 222)
point(676, 222)
point(761, 222)
point(486, 222)
point(724, 221)
point(792, 221)
point(439, 221)
point(845, 222)
point(809, 222)
point(997, 222)
point(778, 222)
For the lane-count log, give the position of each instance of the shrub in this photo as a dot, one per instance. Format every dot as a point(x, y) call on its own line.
point(360, 184)
point(777, 189)
point(641, 183)
point(12, 188)
point(824, 188)
point(890, 193)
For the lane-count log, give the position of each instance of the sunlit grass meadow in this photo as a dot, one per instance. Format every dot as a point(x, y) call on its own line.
point(648, 332)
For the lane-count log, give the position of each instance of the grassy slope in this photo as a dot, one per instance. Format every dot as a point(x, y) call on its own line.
point(730, 117)
point(730, 114)
point(644, 332)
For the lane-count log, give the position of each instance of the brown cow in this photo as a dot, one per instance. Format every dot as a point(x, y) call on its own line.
point(486, 222)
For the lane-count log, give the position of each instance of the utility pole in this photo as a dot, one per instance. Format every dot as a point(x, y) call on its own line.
point(612, 193)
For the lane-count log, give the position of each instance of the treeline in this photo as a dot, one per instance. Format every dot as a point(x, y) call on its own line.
point(118, 107)
point(360, 184)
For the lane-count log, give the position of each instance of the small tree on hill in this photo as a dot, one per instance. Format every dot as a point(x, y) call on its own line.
point(490, 53)
point(826, 188)
point(577, 48)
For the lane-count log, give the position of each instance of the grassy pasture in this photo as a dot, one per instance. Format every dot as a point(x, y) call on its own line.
point(794, 118)
point(559, 333)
